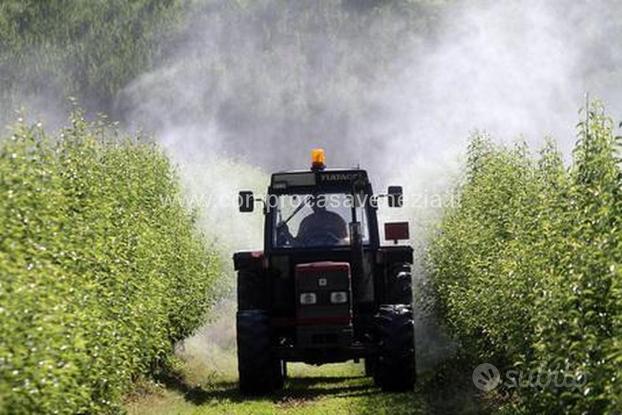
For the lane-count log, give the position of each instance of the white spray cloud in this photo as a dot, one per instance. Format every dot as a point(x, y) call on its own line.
point(269, 80)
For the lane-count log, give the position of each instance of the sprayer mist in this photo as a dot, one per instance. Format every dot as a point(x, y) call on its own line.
point(395, 88)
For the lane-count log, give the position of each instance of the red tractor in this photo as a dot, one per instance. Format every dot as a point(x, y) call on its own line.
point(323, 290)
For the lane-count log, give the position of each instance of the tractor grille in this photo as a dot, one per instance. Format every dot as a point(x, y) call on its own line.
point(324, 308)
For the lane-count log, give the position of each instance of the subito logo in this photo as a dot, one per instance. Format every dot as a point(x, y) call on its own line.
point(486, 377)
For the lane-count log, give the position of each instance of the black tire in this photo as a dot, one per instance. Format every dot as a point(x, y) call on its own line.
point(260, 372)
point(395, 366)
point(400, 285)
point(252, 290)
point(369, 366)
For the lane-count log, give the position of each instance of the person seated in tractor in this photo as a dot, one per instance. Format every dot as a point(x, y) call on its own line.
point(323, 227)
point(320, 228)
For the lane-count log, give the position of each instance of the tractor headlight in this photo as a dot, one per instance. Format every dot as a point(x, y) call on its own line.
point(339, 297)
point(308, 298)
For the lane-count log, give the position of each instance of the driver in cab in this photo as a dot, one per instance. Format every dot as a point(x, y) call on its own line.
point(322, 227)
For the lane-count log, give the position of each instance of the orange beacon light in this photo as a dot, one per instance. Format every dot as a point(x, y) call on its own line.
point(318, 159)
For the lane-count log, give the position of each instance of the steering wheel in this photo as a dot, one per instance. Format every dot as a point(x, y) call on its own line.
point(320, 238)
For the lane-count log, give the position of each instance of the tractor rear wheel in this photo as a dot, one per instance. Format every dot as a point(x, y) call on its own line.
point(395, 366)
point(259, 370)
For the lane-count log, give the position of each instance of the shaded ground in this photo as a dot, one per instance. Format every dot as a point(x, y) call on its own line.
point(333, 389)
point(206, 382)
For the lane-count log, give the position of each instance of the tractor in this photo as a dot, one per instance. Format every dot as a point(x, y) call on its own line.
point(324, 290)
